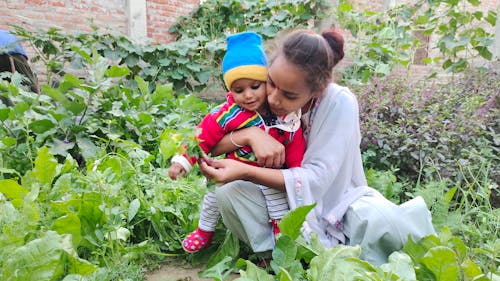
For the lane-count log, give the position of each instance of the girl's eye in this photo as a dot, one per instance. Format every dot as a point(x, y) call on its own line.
point(238, 90)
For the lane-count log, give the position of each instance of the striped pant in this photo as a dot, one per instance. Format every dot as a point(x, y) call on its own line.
point(276, 202)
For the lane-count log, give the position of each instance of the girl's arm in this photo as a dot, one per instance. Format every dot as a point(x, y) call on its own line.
point(227, 170)
point(269, 152)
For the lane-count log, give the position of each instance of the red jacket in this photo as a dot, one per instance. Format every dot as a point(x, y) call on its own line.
point(229, 117)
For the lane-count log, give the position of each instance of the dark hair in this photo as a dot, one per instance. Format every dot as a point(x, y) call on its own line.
point(314, 54)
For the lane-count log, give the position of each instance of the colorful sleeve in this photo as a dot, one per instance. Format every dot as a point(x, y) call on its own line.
point(211, 132)
point(294, 150)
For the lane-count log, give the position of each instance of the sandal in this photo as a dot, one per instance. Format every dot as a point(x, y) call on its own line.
point(276, 229)
point(197, 240)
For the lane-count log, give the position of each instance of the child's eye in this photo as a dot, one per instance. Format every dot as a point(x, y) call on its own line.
point(256, 86)
point(238, 90)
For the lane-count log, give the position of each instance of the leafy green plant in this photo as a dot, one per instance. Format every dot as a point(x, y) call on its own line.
point(443, 257)
point(385, 182)
point(383, 40)
point(429, 131)
point(388, 38)
point(465, 32)
point(104, 216)
point(213, 19)
point(86, 118)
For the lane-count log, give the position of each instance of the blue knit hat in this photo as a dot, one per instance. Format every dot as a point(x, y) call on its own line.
point(244, 58)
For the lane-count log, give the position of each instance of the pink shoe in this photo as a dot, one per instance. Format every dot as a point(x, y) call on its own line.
point(276, 229)
point(197, 240)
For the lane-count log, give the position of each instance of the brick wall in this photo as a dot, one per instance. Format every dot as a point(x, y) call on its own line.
point(161, 14)
point(68, 15)
point(74, 15)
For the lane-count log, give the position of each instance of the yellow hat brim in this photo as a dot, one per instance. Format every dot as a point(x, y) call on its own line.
point(255, 72)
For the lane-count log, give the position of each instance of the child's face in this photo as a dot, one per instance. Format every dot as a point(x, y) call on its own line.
point(250, 94)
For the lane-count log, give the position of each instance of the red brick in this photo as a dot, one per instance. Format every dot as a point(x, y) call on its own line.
point(36, 2)
point(57, 3)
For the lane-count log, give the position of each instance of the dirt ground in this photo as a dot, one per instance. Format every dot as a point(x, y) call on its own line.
point(179, 272)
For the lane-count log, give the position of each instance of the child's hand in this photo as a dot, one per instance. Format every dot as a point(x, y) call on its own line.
point(176, 170)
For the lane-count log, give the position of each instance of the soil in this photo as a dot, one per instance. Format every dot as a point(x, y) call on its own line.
point(179, 272)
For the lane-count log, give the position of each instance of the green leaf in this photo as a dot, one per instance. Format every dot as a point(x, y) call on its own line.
point(133, 209)
point(9, 141)
point(292, 222)
point(69, 224)
point(219, 271)
point(9, 171)
point(82, 53)
point(491, 18)
point(382, 69)
point(203, 76)
point(143, 85)
point(423, 19)
point(162, 94)
point(60, 147)
point(91, 216)
point(401, 265)
point(164, 62)
point(283, 275)
point(87, 148)
point(4, 114)
point(75, 107)
point(170, 142)
point(69, 82)
point(253, 273)
point(475, 2)
point(472, 271)
point(41, 126)
point(45, 166)
point(484, 52)
point(478, 15)
point(284, 253)
point(229, 248)
point(117, 71)
point(308, 250)
point(338, 263)
point(145, 118)
point(345, 7)
point(442, 262)
point(44, 259)
point(12, 190)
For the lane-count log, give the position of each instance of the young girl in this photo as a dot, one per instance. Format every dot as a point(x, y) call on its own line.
point(245, 73)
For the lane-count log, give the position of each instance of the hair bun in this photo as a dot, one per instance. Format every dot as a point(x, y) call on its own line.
point(336, 42)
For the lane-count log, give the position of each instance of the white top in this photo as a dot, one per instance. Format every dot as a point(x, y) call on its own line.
point(332, 173)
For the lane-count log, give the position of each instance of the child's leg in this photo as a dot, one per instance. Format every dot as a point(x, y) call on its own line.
point(276, 202)
point(209, 215)
point(277, 206)
point(202, 236)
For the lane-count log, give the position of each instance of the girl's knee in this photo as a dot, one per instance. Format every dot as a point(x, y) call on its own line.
point(224, 192)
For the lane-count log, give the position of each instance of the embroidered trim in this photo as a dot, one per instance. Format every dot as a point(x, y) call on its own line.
point(299, 192)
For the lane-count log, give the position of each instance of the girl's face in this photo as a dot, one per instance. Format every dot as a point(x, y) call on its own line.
point(250, 94)
point(287, 90)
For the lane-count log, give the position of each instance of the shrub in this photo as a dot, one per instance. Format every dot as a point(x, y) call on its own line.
point(432, 130)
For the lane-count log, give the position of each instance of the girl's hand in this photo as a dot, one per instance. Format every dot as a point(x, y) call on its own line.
point(269, 152)
point(176, 170)
point(223, 170)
